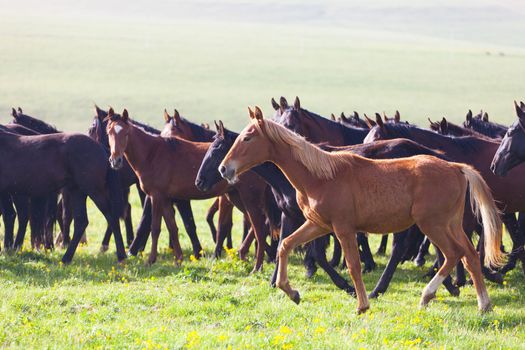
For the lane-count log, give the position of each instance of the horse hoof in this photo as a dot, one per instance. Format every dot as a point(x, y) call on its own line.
point(454, 292)
point(486, 308)
point(495, 277)
point(425, 299)
point(419, 262)
point(362, 309)
point(369, 268)
point(296, 297)
point(104, 248)
point(460, 283)
point(310, 273)
point(373, 295)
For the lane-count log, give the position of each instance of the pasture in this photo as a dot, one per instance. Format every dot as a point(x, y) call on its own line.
point(58, 60)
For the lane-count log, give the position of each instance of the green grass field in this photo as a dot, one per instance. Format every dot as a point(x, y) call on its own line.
point(211, 60)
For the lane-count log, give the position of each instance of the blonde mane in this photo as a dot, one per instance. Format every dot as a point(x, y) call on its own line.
point(322, 164)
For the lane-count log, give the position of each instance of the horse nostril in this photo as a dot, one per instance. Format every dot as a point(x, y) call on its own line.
point(222, 169)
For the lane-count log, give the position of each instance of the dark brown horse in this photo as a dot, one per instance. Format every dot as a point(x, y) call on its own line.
point(78, 164)
point(166, 169)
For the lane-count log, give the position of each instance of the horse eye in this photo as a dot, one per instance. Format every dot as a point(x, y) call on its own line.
point(246, 138)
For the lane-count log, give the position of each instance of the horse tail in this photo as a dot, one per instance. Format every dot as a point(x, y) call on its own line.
point(485, 208)
point(116, 193)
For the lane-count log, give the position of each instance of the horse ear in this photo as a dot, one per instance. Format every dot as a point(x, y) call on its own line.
point(111, 112)
point(283, 103)
point(176, 117)
point(432, 124)
point(100, 113)
point(343, 117)
point(485, 117)
point(332, 116)
point(13, 112)
point(356, 115)
point(397, 117)
point(252, 115)
point(258, 113)
point(379, 121)
point(297, 103)
point(20, 110)
point(166, 116)
point(385, 117)
point(369, 122)
point(444, 126)
point(469, 116)
point(519, 111)
point(125, 115)
point(275, 105)
point(205, 126)
point(522, 105)
point(220, 128)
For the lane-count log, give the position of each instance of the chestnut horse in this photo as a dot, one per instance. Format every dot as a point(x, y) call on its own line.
point(346, 193)
point(166, 169)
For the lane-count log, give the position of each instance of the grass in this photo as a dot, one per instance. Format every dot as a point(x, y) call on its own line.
point(423, 59)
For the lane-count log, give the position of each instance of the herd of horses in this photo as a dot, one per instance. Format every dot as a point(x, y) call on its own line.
point(298, 178)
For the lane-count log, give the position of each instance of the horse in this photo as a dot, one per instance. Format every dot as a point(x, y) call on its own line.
point(444, 127)
point(98, 132)
point(509, 192)
point(511, 151)
point(481, 124)
point(166, 169)
point(292, 218)
point(346, 193)
point(72, 161)
point(177, 126)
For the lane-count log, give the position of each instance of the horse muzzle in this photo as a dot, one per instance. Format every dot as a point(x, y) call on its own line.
point(228, 173)
point(201, 185)
point(116, 162)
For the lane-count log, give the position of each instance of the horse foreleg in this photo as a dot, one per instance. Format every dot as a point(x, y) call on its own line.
point(22, 204)
point(365, 253)
point(209, 218)
point(169, 219)
point(186, 214)
point(156, 216)
point(78, 202)
point(382, 246)
point(8, 215)
point(307, 232)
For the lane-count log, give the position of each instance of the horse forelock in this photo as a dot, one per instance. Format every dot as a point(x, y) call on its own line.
point(321, 164)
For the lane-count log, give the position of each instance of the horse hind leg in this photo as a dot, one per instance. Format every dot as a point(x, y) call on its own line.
point(444, 238)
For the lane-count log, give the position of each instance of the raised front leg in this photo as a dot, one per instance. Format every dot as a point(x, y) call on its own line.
point(307, 232)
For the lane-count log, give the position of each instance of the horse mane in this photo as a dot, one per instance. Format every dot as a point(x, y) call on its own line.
point(145, 127)
point(35, 124)
point(321, 164)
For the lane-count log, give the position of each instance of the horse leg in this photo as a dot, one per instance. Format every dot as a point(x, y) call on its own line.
point(50, 219)
point(104, 246)
point(156, 216)
point(78, 203)
point(271, 250)
point(517, 241)
point(336, 257)
point(257, 219)
point(365, 253)
point(398, 250)
point(143, 230)
point(318, 249)
point(382, 247)
point(444, 239)
point(67, 216)
point(288, 226)
point(8, 215)
point(169, 219)
point(186, 214)
point(127, 218)
point(112, 216)
point(209, 218)
point(447, 282)
point(60, 237)
point(473, 266)
point(348, 242)
point(423, 250)
point(38, 205)
point(225, 224)
point(307, 232)
point(246, 227)
point(22, 210)
point(309, 260)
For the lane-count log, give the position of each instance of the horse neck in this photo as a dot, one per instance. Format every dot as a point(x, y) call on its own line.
point(274, 177)
point(294, 170)
point(329, 130)
point(140, 147)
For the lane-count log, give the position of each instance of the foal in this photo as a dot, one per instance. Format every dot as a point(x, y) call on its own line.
point(347, 193)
